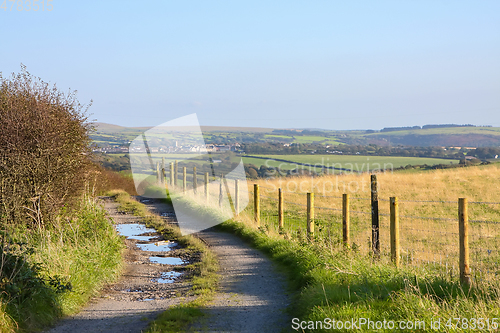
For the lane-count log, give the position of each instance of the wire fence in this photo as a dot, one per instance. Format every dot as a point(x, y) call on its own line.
point(429, 230)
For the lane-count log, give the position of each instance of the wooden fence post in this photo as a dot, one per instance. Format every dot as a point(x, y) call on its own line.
point(236, 197)
point(463, 229)
point(346, 221)
point(163, 170)
point(310, 215)
point(172, 171)
point(395, 248)
point(375, 216)
point(221, 197)
point(206, 186)
point(195, 183)
point(158, 173)
point(184, 179)
point(176, 172)
point(281, 222)
point(256, 204)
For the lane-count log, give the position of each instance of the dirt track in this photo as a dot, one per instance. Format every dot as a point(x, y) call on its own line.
point(252, 295)
point(126, 305)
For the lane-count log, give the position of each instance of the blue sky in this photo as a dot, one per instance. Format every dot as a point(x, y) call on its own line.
point(281, 64)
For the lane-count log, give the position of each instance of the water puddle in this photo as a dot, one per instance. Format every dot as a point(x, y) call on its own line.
point(162, 246)
point(167, 260)
point(168, 277)
point(133, 230)
point(142, 238)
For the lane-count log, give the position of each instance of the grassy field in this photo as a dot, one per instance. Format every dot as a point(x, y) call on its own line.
point(421, 218)
point(346, 285)
point(303, 139)
point(351, 162)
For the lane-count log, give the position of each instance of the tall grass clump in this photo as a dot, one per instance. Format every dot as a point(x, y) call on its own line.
point(49, 273)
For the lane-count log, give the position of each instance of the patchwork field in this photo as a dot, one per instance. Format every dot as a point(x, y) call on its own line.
point(351, 162)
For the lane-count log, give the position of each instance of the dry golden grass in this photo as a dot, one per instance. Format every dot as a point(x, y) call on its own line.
point(429, 230)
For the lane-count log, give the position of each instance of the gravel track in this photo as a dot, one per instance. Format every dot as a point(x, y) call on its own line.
point(124, 306)
point(252, 294)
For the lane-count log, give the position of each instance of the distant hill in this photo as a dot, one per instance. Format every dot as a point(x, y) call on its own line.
point(104, 127)
point(236, 129)
point(428, 135)
point(110, 128)
point(462, 136)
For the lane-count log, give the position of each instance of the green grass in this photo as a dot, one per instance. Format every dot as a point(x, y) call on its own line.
point(330, 282)
point(203, 272)
point(351, 162)
point(83, 252)
point(312, 139)
point(302, 138)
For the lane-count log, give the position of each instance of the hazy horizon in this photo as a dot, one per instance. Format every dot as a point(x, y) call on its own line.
point(281, 64)
point(298, 128)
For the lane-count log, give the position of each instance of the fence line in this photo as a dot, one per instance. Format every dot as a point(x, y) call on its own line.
point(476, 236)
point(398, 236)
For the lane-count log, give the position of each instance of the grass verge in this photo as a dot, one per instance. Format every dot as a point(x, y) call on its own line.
point(331, 283)
point(204, 271)
point(51, 272)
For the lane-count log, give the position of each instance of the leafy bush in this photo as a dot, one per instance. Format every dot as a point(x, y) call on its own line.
point(44, 149)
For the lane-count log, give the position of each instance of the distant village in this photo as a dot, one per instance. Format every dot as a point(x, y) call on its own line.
point(177, 149)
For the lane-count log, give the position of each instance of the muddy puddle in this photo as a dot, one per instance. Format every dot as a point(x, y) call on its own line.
point(161, 246)
point(167, 260)
point(131, 230)
point(149, 242)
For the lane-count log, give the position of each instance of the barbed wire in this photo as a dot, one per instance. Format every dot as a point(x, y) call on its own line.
point(428, 201)
point(484, 221)
point(484, 203)
point(429, 230)
point(264, 196)
point(434, 243)
point(327, 208)
point(328, 196)
point(294, 203)
point(298, 193)
point(428, 218)
point(359, 212)
point(360, 198)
